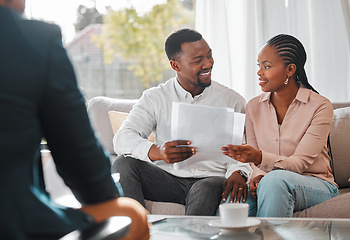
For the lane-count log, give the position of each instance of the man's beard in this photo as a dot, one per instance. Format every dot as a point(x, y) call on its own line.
point(202, 84)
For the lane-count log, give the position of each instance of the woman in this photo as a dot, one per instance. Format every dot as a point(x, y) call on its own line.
point(287, 128)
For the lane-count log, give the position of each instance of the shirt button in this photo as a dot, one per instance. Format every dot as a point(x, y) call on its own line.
point(276, 139)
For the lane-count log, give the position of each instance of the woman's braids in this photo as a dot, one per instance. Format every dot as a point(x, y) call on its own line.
point(292, 51)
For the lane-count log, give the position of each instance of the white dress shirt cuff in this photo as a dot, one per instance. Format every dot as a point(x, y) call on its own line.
point(244, 167)
point(141, 151)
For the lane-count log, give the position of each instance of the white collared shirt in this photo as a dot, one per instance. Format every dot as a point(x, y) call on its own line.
point(152, 113)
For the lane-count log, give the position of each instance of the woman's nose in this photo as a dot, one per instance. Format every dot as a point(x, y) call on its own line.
point(259, 73)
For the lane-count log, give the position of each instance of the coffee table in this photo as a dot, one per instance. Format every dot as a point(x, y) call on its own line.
point(197, 227)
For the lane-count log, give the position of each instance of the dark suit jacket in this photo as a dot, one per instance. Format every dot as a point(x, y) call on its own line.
point(39, 97)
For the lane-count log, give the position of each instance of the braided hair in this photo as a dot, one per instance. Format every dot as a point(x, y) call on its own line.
point(292, 51)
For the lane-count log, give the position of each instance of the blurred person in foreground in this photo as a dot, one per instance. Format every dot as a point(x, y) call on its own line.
point(39, 97)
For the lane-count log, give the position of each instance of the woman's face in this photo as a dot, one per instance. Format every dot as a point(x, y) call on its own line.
point(272, 70)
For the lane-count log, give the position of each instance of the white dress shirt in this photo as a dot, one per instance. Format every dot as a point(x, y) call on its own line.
point(152, 113)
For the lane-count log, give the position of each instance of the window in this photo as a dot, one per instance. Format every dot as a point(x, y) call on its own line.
point(116, 47)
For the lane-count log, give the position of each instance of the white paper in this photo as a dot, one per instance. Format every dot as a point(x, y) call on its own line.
point(208, 128)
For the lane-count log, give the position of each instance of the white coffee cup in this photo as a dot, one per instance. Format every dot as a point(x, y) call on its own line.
point(234, 214)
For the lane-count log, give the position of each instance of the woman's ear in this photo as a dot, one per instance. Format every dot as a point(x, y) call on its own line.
point(291, 69)
point(174, 65)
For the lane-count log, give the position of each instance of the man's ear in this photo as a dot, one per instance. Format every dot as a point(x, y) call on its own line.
point(174, 65)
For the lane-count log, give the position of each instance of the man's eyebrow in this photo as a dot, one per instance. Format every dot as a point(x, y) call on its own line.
point(196, 57)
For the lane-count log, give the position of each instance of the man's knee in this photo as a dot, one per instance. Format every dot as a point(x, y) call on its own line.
point(204, 196)
point(123, 164)
point(210, 185)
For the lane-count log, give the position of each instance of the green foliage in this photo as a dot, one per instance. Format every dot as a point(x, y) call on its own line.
point(140, 39)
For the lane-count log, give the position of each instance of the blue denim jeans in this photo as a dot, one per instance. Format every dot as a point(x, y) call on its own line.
point(281, 192)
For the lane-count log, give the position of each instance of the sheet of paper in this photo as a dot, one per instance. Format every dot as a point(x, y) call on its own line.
point(208, 128)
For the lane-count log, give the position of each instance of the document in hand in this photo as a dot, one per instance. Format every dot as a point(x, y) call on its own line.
point(208, 128)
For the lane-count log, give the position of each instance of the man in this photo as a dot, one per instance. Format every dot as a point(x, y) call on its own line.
point(146, 168)
point(39, 98)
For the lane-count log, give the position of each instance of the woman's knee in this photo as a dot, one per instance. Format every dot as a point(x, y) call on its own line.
point(274, 181)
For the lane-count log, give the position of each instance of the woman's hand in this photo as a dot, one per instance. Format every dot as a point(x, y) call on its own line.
point(243, 153)
point(253, 185)
point(237, 186)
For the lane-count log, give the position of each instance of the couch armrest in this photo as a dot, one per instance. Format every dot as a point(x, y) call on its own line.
point(98, 108)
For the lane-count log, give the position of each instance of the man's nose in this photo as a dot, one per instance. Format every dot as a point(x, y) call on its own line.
point(208, 63)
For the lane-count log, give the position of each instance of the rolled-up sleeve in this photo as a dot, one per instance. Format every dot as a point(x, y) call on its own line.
point(132, 137)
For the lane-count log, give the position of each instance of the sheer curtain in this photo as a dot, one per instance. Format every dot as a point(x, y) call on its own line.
point(237, 29)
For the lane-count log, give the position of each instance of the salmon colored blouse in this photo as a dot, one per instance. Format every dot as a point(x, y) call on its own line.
point(299, 144)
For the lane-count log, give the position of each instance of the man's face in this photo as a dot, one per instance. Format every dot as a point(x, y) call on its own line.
point(16, 5)
point(194, 65)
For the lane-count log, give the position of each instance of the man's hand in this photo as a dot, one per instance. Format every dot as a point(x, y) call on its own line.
point(243, 153)
point(172, 151)
point(254, 185)
point(237, 186)
point(122, 206)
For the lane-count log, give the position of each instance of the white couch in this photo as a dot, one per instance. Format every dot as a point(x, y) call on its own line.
point(338, 207)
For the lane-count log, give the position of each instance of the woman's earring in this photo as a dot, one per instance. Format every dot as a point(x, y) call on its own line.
point(287, 80)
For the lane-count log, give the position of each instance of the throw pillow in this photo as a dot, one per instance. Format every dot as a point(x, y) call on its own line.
point(117, 118)
point(339, 139)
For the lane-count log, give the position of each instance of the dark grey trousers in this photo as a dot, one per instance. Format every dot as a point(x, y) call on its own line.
point(143, 180)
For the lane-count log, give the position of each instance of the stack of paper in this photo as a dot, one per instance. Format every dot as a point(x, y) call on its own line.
point(208, 128)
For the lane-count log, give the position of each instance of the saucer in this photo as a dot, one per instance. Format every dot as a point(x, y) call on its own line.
point(250, 223)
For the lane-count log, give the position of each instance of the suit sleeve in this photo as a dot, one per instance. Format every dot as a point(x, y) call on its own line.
point(79, 158)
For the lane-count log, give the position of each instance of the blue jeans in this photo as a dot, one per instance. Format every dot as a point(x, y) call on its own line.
point(281, 192)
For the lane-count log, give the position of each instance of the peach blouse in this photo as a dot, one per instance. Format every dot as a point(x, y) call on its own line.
point(300, 143)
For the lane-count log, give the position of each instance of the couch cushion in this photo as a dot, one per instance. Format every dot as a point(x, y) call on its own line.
point(165, 208)
point(98, 108)
point(339, 138)
point(337, 207)
point(117, 118)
